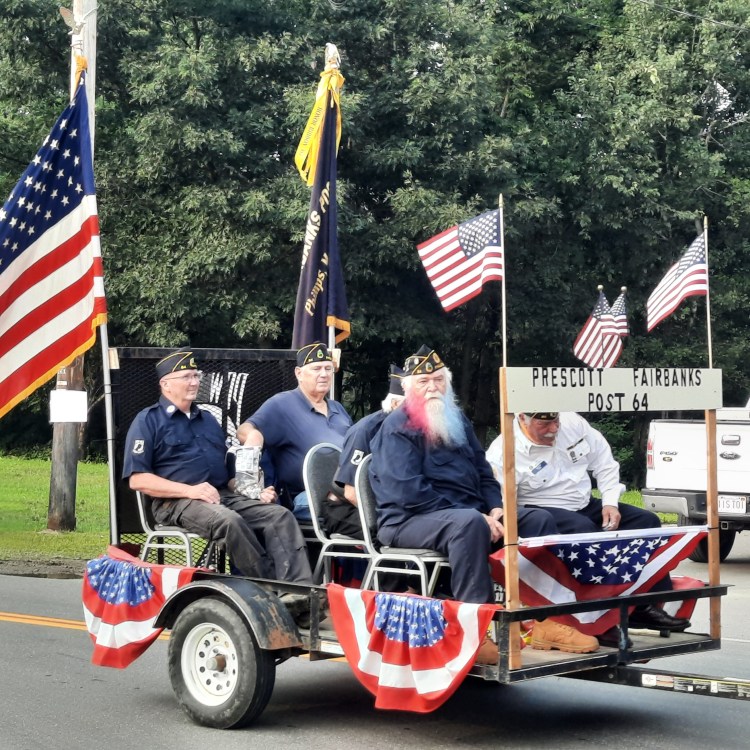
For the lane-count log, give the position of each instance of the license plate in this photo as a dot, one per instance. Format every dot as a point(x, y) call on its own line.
point(732, 504)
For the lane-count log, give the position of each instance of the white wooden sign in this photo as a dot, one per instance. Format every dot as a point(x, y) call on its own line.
point(612, 390)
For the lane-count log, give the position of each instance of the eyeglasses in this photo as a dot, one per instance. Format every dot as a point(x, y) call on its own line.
point(188, 376)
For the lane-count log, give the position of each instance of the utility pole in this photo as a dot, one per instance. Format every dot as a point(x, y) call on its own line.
point(61, 514)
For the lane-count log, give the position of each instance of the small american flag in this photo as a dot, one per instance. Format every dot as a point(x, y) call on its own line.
point(686, 278)
point(461, 259)
point(599, 344)
point(51, 285)
point(620, 315)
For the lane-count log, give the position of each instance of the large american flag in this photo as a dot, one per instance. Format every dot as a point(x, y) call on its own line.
point(576, 567)
point(51, 286)
point(461, 259)
point(599, 344)
point(686, 278)
point(410, 652)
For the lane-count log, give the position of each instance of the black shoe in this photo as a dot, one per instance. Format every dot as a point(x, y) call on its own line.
point(611, 638)
point(655, 618)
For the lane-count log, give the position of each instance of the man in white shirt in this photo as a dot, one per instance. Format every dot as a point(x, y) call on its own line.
point(554, 453)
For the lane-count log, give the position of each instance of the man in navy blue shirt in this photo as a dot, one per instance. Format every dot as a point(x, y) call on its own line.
point(435, 489)
point(175, 453)
point(288, 424)
point(341, 514)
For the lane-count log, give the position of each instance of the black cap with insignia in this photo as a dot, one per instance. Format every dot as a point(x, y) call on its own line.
point(317, 352)
point(424, 362)
point(177, 361)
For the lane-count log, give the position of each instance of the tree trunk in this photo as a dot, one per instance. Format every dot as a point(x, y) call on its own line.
point(61, 515)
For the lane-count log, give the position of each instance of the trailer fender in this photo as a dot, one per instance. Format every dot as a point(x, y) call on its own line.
point(268, 619)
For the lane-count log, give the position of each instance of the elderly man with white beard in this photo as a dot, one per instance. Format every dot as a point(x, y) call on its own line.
point(435, 489)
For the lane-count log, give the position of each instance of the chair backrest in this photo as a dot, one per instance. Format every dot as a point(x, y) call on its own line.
point(366, 502)
point(144, 512)
point(318, 470)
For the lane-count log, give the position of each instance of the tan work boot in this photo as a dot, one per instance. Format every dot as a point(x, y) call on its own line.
point(488, 653)
point(548, 634)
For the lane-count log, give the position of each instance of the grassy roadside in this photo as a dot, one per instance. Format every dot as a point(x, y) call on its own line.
point(24, 502)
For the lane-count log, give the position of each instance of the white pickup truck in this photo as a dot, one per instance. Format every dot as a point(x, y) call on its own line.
point(676, 473)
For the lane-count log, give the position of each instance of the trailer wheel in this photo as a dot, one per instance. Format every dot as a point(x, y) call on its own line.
point(220, 675)
point(726, 540)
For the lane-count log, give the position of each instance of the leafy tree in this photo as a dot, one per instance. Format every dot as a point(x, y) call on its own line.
point(609, 128)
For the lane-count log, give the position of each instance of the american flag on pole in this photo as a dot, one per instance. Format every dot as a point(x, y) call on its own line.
point(51, 285)
point(121, 598)
point(599, 344)
point(576, 567)
point(461, 259)
point(686, 278)
point(620, 315)
point(410, 652)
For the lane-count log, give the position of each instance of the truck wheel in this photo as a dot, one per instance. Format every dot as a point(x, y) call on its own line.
point(726, 540)
point(220, 675)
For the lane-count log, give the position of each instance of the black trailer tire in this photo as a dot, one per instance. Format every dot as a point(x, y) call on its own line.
point(726, 540)
point(220, 675)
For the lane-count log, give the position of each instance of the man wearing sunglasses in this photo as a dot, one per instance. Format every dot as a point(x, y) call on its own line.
point(175, 454)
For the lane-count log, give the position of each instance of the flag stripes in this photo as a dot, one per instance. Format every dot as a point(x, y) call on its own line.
point(460, 260)
point(51, 284)
point(686, 278)
point(599, 344)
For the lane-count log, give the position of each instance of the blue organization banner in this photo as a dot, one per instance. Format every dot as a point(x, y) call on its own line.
point(321, 296)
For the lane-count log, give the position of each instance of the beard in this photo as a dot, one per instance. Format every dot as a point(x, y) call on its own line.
point(437, 418)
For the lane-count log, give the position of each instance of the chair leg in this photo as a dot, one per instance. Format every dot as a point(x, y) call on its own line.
point(435, 575)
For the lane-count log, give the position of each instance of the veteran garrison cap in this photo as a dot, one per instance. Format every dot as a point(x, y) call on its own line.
point(546, 416)
point(423, 362)
point(395, 378)
point(310, 353)
point(179, 360)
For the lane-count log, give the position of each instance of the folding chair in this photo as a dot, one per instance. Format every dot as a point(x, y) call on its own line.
point(162, 538)
point(318, 471)
point(424, 560)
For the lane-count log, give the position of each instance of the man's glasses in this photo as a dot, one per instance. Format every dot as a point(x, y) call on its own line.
point(188, 376)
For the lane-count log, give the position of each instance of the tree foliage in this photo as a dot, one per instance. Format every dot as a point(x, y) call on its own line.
point(609, 128)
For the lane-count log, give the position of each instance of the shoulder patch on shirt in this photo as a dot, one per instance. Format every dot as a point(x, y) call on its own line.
point(357, 457)
point(138, 446)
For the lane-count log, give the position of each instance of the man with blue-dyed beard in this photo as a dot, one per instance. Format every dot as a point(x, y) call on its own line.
point(435, 489)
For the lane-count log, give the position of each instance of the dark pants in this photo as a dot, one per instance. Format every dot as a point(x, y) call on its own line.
point(237, 523)
point(463, 536)
point(589, 519)
point(341, 517)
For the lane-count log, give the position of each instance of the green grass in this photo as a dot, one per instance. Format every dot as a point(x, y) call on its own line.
point(24, 502)
point(633, 497)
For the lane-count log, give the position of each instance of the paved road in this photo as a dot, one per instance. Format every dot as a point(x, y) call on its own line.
point(52, 697)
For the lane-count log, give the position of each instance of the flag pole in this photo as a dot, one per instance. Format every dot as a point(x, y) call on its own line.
point(505, 265)
point(332, 348)
point(82, 25)
point(708, 295)
point(600, 289)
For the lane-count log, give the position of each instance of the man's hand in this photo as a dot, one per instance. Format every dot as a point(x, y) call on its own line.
point(268, 495)
point(496, 528)
point(206, 493)
point(610, 518)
